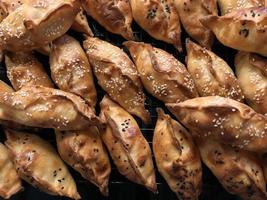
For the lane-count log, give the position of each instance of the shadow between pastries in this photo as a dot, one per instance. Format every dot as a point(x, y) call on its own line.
point(117, 75)
point(126, 144)
point(31, 155)
point(177, 157)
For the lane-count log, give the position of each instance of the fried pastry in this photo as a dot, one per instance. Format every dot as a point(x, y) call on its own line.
point(159, 19)
point(70, 69)
point(190, 12)
point(39, 106)
point(225, 120)
point(227, 6)
point(238, 171)
point(38, 164)
point(244, 29)
point(126, 144)
point(162, 75)
point(180, 162)
point(117, 75)
point(80, 23)
point(251, 71)
point(24, 69)
point(84, 151)
point(211, 74)
point(10, 182)
point(37, 23)
point(115, 16)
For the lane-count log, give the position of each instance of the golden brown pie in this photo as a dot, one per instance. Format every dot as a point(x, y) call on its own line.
point(38, 163)
point(225, 120)
point(162, 74)
point(113, 15)
point(190, 12)
point(43, 107)
point(211, 74)
point(159, 19)
point(177, 157)
point(126, 144)
point(227, 6)
point(117, 75)
point(70, 69)
point(244, 29)
point(251, 71)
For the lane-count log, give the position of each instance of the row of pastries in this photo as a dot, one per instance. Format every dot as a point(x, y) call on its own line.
point(220, 114)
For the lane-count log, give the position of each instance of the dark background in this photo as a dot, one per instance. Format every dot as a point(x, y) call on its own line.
point(120, 188)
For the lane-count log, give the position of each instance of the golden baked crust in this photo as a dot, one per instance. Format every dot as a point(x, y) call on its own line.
point(113, 15)
point(177, 157)
point(225, 120)
point(159, 19)
point(38, 164)
point(227, 6)
point(24, 69)
point(211, 74)
point(36, 23)
point(190, 12)
point(84, 151)
point(244, 29)
point(251, 71)
point(238, 171)
point(162, 75)
point(70, 69)
point(10, 182)
point(126, 144)
point(117, 75)
point(80, 23)
point(47, 108)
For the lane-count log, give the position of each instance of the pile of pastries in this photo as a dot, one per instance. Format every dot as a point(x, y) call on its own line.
point(218, 116)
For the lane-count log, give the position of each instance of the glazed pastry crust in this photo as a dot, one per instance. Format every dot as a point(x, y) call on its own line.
point(159, 19)
point(190, 12)
point(225, 120)
point(113, 15)
point(84, 151)
point(238, 171)
point(162, 75)
point(227, 6)
point(70, 69)
point(10, 182)
point(251, 71)
point(24, 69)
point(180, 162)
point(117, 75)
point(31, 26)
point(244, 29)
point(31, 155)
point(126, 144)
point(211, 74)
point(47, 108)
